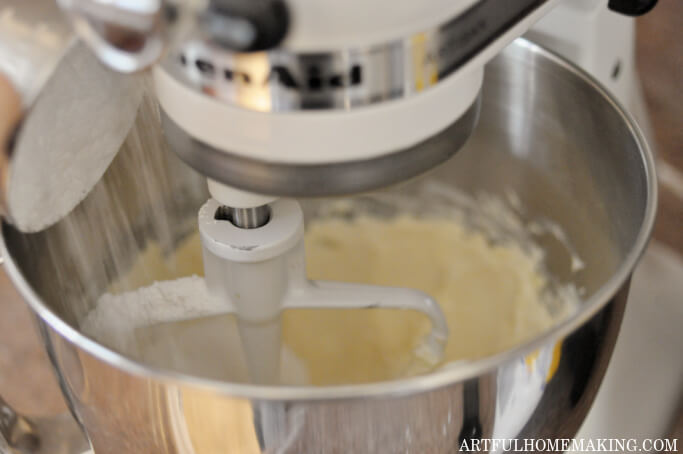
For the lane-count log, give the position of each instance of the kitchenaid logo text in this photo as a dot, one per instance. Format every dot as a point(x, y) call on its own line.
point(313, 78)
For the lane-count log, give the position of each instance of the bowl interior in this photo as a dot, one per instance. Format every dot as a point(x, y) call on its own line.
point(545, 133)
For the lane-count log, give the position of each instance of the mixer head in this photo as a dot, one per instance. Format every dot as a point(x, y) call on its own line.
point(293, 98)
point(310, 98)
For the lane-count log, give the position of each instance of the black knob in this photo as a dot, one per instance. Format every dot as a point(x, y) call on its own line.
point(632, 7)
point(246, 25)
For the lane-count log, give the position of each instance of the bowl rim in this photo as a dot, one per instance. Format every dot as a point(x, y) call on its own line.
point(459, 371)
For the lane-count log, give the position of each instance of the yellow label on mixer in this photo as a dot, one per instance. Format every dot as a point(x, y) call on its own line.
point(424, 66)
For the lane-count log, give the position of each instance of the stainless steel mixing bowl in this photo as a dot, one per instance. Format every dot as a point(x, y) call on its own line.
point(546, 131)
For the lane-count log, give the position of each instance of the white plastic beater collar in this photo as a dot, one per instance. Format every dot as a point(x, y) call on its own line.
point(281, 233)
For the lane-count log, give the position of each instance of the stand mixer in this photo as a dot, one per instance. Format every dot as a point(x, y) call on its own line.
point(272, 100)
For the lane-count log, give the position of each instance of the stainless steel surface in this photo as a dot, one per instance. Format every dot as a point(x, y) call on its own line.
point(247, 218)
point(318, 180)
point(68, 115)
point(15, 430)
point(56, 435)
point(282, 80)
point(546, 131)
